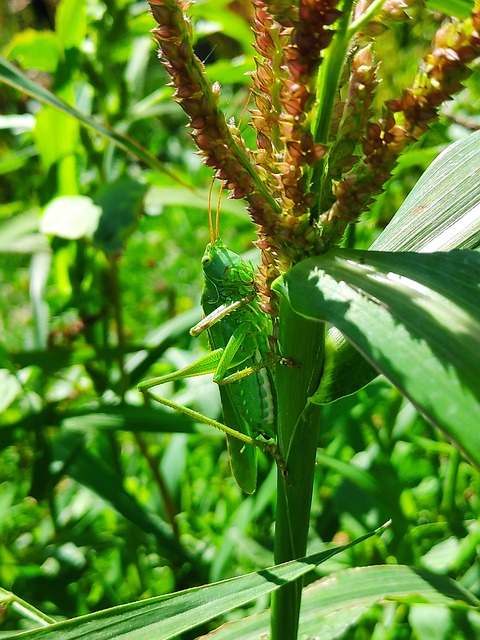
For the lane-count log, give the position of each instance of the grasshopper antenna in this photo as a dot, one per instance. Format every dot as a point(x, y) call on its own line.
point(250, 93)
point(217, 216)
point(222, 184)
point(210, 221)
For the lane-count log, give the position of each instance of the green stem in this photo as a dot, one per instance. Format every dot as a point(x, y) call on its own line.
point(170, 507)
point(302, 342)
point(115, 296)
point(329, 75)
point(328, 81)
point(448, 501)
point(25, 609)
point(365, 17)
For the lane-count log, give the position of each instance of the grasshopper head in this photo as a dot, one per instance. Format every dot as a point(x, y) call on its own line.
point(216, 260)
point(226, 273)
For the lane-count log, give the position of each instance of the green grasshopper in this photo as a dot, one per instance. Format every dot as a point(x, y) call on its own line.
point(240, 360)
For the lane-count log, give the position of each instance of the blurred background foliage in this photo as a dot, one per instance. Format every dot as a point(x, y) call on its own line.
point(103, 499)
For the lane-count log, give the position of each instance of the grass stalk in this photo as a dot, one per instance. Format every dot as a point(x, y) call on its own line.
point(302, 342)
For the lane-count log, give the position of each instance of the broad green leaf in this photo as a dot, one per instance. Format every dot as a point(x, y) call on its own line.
point(15, 78)
point(70, 217)
point(414, 317)
point(331, 605)
point(56, 138)
point(120, 203)
point(35, 50)
point(441, 213)
point(168, 616)
point(71, 23)
point(460, 9)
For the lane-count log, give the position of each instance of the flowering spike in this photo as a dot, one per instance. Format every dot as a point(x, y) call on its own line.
point(300, 193)
point(404, 121)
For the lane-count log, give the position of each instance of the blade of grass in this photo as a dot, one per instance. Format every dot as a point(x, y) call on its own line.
point(414, 316)
point(332, 605)
point(168, 616)
point(12, 76)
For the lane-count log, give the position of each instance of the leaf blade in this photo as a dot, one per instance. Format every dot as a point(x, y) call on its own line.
point(414, 317)
point(441, 213)
point(16, 79)
point(331, 605)
point(167, 616)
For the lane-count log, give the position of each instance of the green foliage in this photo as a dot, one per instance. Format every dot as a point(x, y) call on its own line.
point(404, 311)
point(169, 615)
point(104, 500)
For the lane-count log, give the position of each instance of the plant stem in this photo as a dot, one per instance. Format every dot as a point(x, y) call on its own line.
point(328, 80)
point(448, 501)
point(302, 341)
point(170, 507)
point(25, 609)
point(115, 296)
point(329, 75)
point(363, 19)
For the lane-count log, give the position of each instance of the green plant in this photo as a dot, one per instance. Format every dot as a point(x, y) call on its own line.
point(324, 152)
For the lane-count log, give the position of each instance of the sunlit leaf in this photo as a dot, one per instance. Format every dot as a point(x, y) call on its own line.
point(414, 317)
point(71, 23)
point(168, 616)
point(35, 50)
point(15, 78)
point(441, 213)
point(56, 138)
point(70, 217)
point(443, 210)
point(333, 604)
point(120, 203)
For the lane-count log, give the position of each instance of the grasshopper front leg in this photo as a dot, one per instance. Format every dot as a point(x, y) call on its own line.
point(231, 356)
point(205, 365)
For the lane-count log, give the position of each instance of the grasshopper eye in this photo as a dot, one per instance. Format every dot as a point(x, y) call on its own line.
point(206, 261)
